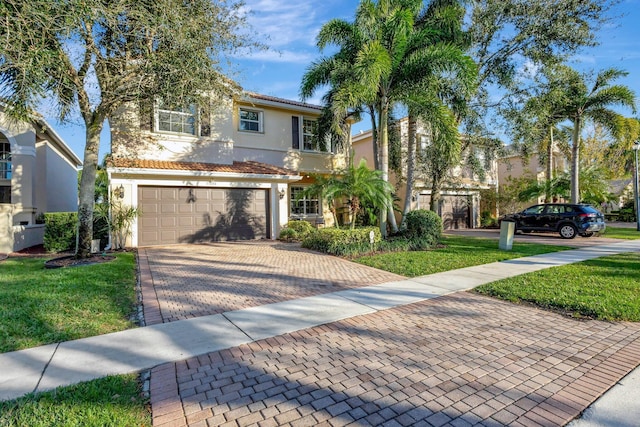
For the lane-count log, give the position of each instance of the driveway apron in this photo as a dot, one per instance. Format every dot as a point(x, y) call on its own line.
point(458, 360)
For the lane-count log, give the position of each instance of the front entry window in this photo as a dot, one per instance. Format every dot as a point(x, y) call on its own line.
point(305, 205)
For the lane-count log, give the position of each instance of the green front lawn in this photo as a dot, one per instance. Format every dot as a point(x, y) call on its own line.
point(112, 401)
point(42, 306)
point(457, 252)
point(605, 288)
point(621, 233)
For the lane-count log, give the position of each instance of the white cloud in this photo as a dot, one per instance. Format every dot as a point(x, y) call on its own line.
point(284, 23)
point(287, 56)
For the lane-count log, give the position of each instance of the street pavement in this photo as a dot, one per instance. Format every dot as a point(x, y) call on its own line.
point(334, 352)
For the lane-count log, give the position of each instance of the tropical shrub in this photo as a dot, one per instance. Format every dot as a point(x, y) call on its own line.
point(303, 228)
point(288, 235)
point(60, 229)
point(424, 229)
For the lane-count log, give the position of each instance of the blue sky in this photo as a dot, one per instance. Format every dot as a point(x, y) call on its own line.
point(290, 29)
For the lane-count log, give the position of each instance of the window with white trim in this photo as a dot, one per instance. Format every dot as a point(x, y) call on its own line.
point(5, 170)
point(179, 120)
point(5, 159)
point(250, 120)
point(303, 205)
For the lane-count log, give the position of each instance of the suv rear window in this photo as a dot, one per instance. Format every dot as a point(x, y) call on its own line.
point(589, 209)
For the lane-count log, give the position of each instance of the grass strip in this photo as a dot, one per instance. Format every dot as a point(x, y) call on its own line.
point(455, 252)
point(41, 306)
point(621, 233)
point(112, 401)
point(605, 288)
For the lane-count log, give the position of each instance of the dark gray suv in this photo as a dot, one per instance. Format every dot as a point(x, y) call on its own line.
point(565, 218)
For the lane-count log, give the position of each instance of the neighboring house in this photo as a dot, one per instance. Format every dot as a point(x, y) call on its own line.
point(231, 173)
point(38, 174)
point(622, 192)
point(459, 205)
point(514, 165)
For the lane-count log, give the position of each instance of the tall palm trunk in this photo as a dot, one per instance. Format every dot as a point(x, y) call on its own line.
point(383, 146)
point(411, 164)
point(575, 161)
point(549, 168)
point(87, 189)
point(374, 138)
point(435, 194)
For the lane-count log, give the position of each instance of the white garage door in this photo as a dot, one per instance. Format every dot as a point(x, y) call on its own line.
point(195, 215)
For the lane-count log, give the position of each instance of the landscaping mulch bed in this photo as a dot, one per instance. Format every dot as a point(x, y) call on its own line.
point(63, 259)
point(72, 261)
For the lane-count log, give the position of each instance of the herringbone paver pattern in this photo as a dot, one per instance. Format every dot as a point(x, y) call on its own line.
point(459, 360)
point(198, 280)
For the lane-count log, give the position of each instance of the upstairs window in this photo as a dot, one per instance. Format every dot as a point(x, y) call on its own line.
point(5, 159)
point(250, 120)
point(178, 120)
point(305, 136)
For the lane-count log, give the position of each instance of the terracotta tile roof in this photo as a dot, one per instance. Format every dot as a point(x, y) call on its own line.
point(237, 167)
point(283, 101)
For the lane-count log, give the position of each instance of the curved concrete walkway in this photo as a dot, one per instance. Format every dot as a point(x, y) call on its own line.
point(403, 352)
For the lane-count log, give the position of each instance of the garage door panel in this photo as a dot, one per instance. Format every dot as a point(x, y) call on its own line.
point(190, 215)
point(454, 210)
point(186, 221)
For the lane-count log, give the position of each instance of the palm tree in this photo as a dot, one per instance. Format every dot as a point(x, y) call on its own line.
point(593, 103)
point(380, 54)
point(355, 185)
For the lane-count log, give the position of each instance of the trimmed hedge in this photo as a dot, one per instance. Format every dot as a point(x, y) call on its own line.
point(60, 231)
point(342, 242)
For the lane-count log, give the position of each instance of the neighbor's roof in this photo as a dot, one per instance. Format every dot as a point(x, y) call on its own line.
point(249, 167)
point(617, 186)
point(273, 99)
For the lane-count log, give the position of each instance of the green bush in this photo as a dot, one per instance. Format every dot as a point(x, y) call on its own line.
point(487, 220)
point(424, 229)
point(60, 231)
point(302, 228)
point(343, 242)
point(289, 235)
point(296, 231)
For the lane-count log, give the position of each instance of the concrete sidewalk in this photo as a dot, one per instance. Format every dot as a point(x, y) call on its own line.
point(47, 367)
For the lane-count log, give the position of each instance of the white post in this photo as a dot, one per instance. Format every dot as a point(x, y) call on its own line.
point(636, 147)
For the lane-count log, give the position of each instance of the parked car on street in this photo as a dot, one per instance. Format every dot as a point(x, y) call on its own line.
point(565, 218)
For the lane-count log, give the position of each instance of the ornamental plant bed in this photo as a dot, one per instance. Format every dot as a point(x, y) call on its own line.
point(72, 261)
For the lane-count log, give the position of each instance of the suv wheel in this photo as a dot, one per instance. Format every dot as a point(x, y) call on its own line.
point(568, 231)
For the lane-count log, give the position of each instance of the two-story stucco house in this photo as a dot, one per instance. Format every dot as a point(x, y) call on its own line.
point(38, 174)
point(459, 205)
point(231, 173)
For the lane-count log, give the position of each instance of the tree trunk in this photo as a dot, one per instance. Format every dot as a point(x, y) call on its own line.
point(87, 190)
point(374, 138)
point(411, 164)
point(383, 146)
point(435, 194)
point(549, 171)
point(575, 162)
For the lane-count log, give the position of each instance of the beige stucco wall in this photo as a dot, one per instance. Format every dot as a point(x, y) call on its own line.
point(44, 179)
point(22, 138)
point(56, 173)
point(273, 145)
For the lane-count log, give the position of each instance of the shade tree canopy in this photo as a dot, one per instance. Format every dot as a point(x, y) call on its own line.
point(90, 57)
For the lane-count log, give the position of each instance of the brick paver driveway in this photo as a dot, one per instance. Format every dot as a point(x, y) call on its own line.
point(198, 280)
point(458, 360)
